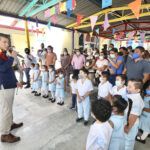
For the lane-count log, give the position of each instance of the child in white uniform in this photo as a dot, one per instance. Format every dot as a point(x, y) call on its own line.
point(83, 90)
point(37, 80)
point(145, 118)
point(52, 86)
point(104, 87)
point(73, 85)
point(119, 104)
point(101, 131)
point(131, 129)
point(31, 77)
point(44, 80)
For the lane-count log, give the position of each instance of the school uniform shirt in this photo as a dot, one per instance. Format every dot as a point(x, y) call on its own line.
point(27, 62)
point(122, 91)
point(85, 87)
point(99, 136)
point(100, 64)
point(104, 89)
point(73, 87)
point(137, 106)
point(31, 74)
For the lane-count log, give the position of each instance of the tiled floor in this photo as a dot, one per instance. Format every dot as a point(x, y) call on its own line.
point(48, 126)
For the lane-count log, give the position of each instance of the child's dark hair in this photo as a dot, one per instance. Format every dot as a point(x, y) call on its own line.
point(120, 103)
point(60, 71)
point(85, 71)
point(137, 83)
point(75, 77)
point(51, 66)
point(105, 74)
point(45, 67)
point(32, 64)
point(101, 109)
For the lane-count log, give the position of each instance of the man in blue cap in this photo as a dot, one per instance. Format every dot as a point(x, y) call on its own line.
point(8, 83)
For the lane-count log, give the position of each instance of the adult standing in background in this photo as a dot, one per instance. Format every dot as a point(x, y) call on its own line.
point(8, 83)
point(111, 46)
point(65, 65)
point(116, 64)
point(50, 57)
point(137, 67)
point(42, 54)
point(78, 62)
point(27, 63)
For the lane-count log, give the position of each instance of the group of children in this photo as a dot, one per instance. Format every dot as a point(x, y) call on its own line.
point(45, 80)
point(120, 112)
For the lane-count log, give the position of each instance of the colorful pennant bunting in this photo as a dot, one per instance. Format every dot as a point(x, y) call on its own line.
point(106, 3)
point(93, 21)
point(73, 3)
point(49, 25)
point(69, 5)
point(69, 12)
point(47, 13)
point(106, 23)
point(54, 19)
point(79, 18)
point(57, 11)
point(52, 11)
point(142, 36)
point(97, 31)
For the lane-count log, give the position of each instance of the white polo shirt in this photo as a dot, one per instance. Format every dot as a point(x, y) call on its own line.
point(85, 87)
point(27, 62)
point(122, 91)
point(99, 136)
point(104, 89)
point(73, 87)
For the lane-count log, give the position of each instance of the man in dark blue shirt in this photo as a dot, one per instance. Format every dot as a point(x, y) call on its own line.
point(8, 83)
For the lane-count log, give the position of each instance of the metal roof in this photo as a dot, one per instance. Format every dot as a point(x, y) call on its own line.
point(84, 7)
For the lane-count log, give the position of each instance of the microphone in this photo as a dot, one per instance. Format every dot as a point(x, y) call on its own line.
point(17, 54)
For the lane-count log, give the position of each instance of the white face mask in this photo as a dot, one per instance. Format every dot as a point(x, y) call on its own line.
point(89, 53)
point(101, 57)
point(50, 70)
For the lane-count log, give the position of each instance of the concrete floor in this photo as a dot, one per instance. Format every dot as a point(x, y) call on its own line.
point(48, 126)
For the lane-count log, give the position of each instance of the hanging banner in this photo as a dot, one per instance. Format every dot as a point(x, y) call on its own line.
point(79, 18)
point(57, 10)
point(54, 19)
point(69, 5)
point(69, 12)
point(106, 23)
point(93, 20)
point(52, 11)
point(106, 3)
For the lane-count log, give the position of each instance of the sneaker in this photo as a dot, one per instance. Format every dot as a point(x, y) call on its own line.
point(37, 94)
point(85, 123)
point(79, 119)
point(138, 138)
point(53, 100)
point(27, 87)
point(45, 96)
point(71, 108)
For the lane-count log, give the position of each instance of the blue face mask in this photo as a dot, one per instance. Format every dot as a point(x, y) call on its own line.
point(135, 55)
point(112, 56)
point(78, 53)
point(65, 53)
point(96, 55)
point(128, 92)
point(147, 92)
point(36, 68)
point(118, 83)
point(61, 75)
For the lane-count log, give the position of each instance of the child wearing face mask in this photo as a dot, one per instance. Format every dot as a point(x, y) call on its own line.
point(83, 89)
point(37, 80)
point(52, 86)
point(105, 86)
point(60, 88)
point(145, 118)
point(31, 77)
point(117, 120)
point(44, 80)
point(119, 88)
point(134, 88)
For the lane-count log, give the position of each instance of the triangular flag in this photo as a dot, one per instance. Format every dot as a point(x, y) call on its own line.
point(79, 18)
point(106, 3)
point(62, 7)
point(47, 13)
point(135, 7)
point(57, 11)
point(69, 12)
point(97, 31)
point(54, 19)
point(131, 34)
point(93, 21)
point(36, 21)
point(69, 5)
point(73, 3)
point(106, 23)
point(52, 11)
point(91, 34)
point(49, 25)
point(142, 36)
point(37, 32)
point(113, 31)
point(121, 34)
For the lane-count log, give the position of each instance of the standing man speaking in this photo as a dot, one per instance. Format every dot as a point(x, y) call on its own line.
point(8, 83)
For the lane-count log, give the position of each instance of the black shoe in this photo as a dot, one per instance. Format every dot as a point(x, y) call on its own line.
point(53, 100)
point(33, 92)
point(138, 138)
point(79, 119)
point(58, 104)
point(45, 96)
point(50, 99)
point(85, 123)
point(72, 108)
point(149, 135)
point(27, 87)
point(37, 94)
point(62, 103)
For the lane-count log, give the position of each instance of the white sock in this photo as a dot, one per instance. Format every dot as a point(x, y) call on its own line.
point(144, 135)
point(53, 95)
point(58, 100)
point(61, 100)
point(46, 92)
